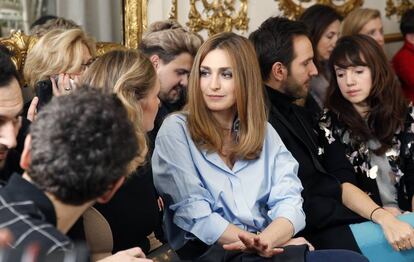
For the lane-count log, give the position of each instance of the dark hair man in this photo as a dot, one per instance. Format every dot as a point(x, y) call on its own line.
point(403, 61)
point(78, 153)
point(11, 105)
point(286, 56)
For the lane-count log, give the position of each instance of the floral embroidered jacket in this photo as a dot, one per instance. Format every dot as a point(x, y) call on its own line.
point(333, 134)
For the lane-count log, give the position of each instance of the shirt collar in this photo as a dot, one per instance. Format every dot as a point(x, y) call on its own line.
point(409, 46)
point(19, 189)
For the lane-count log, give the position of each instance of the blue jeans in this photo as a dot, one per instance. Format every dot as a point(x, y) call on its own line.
point(375, 247)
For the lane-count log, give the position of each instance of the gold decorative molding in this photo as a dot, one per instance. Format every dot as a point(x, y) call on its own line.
point(293, 9)
point(135, 21)
point(220, 16)
point(173, 11)
point(105, 47)
point(394, 8)
point(19, 44)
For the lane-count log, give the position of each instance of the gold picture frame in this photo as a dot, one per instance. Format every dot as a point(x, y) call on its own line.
point(134, 21)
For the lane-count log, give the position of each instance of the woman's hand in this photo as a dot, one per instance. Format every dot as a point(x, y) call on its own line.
point(160, 203)
point(65, 84)
point(395, 211)
point(253, 244)
point(399, 234)
point(32, 112)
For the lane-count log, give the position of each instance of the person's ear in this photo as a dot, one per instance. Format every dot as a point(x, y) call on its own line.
point(155, 61)
point(26, 157)
point(110, 192)
point(278, 71)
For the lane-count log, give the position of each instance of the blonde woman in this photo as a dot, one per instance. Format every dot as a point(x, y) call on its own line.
point(59, 56)
point(229, 183)
point(364, 21)
point(131, 76)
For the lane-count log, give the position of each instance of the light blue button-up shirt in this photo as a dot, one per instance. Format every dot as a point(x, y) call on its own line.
point(203, 195)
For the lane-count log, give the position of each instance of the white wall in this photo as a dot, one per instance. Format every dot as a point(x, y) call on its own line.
point(100, 18)
point(259, 10)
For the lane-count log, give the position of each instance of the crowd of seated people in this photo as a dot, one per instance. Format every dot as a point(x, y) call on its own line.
point(205, 149)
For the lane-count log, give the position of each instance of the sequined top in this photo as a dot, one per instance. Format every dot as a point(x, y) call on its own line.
point(400, 156)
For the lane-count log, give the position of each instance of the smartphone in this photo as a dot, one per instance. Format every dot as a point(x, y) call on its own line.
point(44, 92)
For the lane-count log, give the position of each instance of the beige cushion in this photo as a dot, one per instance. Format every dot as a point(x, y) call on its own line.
point(98, 234)
point(154, 242)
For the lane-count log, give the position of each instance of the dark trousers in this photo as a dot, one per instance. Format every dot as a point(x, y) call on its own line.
point(216, 253)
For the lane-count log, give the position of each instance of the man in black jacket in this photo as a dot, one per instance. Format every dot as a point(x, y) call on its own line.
point(286, 56)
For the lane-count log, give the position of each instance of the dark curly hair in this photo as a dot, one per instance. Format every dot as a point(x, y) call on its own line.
point(81, 144)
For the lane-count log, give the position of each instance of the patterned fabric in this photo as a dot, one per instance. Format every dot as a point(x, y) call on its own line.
point(30, 216)
point(400, 156)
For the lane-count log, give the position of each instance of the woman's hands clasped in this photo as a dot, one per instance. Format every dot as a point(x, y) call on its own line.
point(251, 243)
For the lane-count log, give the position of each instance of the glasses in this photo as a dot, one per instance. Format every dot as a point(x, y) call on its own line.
point(86, 65)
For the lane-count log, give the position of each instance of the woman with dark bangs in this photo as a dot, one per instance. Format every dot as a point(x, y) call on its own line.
point(368, 117)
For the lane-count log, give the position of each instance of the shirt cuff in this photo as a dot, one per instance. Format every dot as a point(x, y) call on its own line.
point(295, 215)
point(208, 229)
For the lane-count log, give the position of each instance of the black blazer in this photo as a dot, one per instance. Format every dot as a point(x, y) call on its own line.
point(327, 219)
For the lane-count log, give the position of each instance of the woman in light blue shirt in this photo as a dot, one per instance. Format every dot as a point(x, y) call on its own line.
point(229, 183)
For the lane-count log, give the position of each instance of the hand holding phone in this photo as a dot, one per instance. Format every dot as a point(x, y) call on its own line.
point(56, 85)
point(62, 84)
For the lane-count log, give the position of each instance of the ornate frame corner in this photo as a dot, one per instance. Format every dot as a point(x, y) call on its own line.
point(293, 10)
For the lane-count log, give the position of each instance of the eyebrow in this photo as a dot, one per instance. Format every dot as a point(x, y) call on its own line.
point(220, 68)
point(307, 60)
point(182, 70)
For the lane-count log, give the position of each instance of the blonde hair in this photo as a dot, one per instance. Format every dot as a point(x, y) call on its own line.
point(357, 19)
point(55, 23)
point(168, 39)
point(58, 51)
point(204, 129)
point(131, 76)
